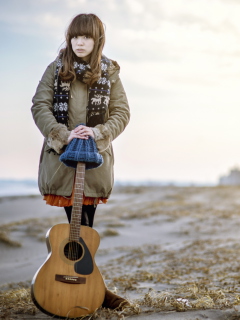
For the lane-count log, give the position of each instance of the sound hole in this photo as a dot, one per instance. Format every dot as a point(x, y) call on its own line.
point(73, 250)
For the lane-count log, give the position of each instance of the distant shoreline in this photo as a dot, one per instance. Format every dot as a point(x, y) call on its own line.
point(10, 188)
point(17, 197)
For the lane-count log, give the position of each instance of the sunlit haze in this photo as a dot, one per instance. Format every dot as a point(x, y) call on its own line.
point(180, 67)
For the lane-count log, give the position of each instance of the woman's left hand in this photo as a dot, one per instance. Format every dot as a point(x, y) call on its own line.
point(84, 132)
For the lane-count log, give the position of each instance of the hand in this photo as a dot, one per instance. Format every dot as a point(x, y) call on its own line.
point(81, 132)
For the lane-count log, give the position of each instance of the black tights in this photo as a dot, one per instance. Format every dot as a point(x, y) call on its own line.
point(88, 213)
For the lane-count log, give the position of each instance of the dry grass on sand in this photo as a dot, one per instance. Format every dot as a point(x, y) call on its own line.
point(187, 260)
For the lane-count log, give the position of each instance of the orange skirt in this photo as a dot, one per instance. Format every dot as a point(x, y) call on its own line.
point(60, 201)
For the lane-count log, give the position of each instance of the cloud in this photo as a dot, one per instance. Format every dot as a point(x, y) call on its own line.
point(49, 20)
point(164, 29)
point(179, 64)
point(136, 7)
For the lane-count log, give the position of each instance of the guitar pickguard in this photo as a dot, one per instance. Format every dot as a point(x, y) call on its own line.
point(85, 265)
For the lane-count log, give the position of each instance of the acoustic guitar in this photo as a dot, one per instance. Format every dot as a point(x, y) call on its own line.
point(69, 284)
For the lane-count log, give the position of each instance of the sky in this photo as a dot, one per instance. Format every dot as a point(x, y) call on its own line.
point(180, 67)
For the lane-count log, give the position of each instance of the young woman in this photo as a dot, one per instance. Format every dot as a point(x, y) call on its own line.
point(80, 86)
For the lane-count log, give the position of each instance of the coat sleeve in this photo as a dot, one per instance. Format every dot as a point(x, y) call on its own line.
point(118, 118)
point(42, 111)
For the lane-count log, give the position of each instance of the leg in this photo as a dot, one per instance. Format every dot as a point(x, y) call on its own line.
point(88, 213)
point(68, 211)
point(111, 301)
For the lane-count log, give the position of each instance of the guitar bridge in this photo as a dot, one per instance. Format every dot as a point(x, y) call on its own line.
point(70, 279)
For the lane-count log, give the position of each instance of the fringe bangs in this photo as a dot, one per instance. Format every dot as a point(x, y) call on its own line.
point(84, 25)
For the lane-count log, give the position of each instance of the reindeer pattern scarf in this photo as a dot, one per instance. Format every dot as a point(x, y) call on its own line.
point(98, 97)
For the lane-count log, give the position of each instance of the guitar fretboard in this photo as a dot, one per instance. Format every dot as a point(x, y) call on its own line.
point(75, 223)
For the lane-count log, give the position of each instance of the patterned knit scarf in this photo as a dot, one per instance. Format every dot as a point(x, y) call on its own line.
point(98, 96)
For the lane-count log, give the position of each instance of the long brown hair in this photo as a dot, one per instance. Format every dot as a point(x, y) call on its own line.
point(89, 25)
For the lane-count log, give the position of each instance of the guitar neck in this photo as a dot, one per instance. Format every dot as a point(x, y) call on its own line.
point(76, 217)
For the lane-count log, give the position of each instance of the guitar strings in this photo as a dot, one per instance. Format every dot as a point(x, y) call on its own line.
point(74, 246)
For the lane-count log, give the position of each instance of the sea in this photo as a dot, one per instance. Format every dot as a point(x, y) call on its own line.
point(29, 187)
point(12, 187)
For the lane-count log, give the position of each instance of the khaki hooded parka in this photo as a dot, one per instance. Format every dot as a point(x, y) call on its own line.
point(54, 177)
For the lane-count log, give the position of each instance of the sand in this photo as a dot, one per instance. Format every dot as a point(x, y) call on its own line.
point(174, 252)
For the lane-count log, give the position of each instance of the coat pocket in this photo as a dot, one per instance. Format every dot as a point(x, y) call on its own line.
point(45, 148)
point(109, 151)
point(54, 176)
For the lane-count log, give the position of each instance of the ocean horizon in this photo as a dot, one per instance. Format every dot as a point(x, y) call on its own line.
point(28, 187)
point(14, 187)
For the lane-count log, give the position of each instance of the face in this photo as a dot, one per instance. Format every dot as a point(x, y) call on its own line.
point(82, 46)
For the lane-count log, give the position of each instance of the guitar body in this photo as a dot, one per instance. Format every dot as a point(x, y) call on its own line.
point(69, 284)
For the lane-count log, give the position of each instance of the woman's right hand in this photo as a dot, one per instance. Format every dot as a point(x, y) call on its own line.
point(73, 135)
point(78, 135)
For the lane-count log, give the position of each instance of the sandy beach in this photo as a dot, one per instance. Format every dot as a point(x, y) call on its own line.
point(174, 252)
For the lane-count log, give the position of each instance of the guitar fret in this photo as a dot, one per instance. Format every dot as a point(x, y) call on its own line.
point(75, 223)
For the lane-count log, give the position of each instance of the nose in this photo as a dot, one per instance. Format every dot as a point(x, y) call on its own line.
point(80, 41)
